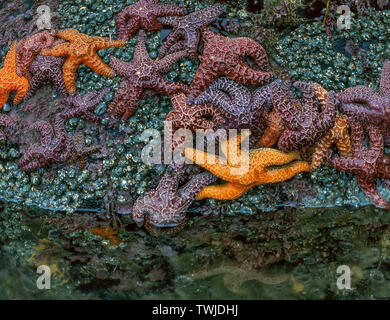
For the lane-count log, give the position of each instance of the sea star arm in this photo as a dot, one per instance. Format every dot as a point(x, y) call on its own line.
point(95, 97)
point(208, 15)
point(169, 21)
point(126, 100)
point(170, 10)
point(3, 97)
point(327, 117)
point(384, 88)
point(273, 157)
point(58, 81)
point(238, 92)
point(69, 73)
point(126, 29)
point(273, 131)
point(357, 136)
point(191, 43)
point(362, 94)
point(6, 122)
point(139, 209)
point(170, 88)
point(173, 38)
point(321, 93)
point(338, 135)
point(261, 98)
point(169, 182)
point(231, 148)
point(364, 114)
point(67, 34)
point(320, 149)
point(283, 106)
point(369, 188)
point(178, 46)
point(254, 50)
point(10, 58)
point(45, 130)
point(242, 73)
point(285, 173)
point(32, 159)
point(165, 64)
point(346, 164)
point(211, 162)
point(217, 98)
point(343, 143)
point(97, 65)
point(60, 50)
point(195, 185)
point(376, 142)
point(34, 84)
point(226, 191)
point(105, 43)
point(118, 66)
point(203, 78)
point(21, 90)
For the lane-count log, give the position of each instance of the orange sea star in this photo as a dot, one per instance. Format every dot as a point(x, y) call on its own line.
point(81, 49)
point(107, 233)
point(244, 170)
point(274, 130)
point(10, 81)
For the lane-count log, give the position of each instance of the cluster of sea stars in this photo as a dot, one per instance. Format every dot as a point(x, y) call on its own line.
point(54, 57)
point(273, 113)
point(221, 96)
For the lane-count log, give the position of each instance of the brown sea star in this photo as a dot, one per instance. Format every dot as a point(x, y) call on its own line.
point(222, 56)
point(139, 75)
point(81, 49)
point(366, 164)
point(186, 31)
point(143, 15)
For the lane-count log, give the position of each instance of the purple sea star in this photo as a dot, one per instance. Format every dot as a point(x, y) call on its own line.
point(366, 164)
point(376, 108)
point(304, 124)
point(240, 108)
point(187, 30)
point(143, 15)
point(46, 69)
point(59, 149)
point(166, 206)
point(139, 75)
